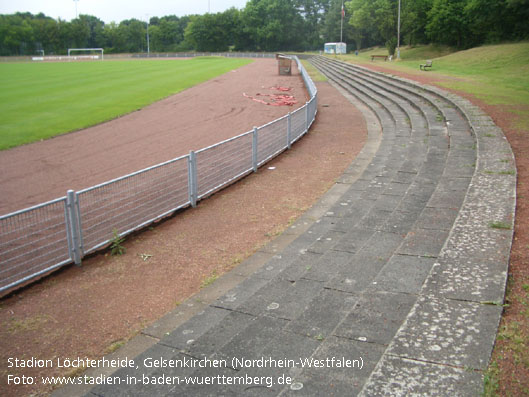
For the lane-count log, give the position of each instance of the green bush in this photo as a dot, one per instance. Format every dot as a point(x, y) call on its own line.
point(391, 45)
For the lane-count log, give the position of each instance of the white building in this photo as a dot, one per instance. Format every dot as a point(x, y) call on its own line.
point(335, 48)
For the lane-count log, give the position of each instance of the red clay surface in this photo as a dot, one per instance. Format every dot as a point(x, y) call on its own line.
point(193, 119)
point(87, 311)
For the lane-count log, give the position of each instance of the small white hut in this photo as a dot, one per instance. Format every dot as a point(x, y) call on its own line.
point(335, 48)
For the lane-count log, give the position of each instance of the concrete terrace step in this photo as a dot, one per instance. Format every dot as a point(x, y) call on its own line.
point(394, 269)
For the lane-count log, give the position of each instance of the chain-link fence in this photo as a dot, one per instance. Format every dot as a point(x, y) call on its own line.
point(40, 239)
point(34, 241)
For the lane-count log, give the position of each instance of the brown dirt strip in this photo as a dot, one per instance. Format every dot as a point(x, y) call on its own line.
point(85, 311)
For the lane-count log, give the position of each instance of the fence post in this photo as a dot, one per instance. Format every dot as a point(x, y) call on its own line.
point(255, 143)
point(289, 130)
point(307, 115)
point(73, 226)
point(192, 178)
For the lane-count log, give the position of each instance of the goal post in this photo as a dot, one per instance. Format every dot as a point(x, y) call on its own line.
point(70, 50)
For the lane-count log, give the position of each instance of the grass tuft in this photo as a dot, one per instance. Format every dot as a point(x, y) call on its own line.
point(314, 74)
point(209, 280)
point(500, 225)
point(491, 380)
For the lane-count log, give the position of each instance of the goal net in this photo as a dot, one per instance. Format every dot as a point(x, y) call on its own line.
point(89, 53)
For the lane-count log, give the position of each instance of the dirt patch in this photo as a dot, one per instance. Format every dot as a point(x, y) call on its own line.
point(85, 311)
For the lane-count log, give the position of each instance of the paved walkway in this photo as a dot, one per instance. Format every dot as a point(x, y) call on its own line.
point(391, 285)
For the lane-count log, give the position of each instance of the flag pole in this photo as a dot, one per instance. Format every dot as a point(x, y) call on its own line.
point(341, 26)
point(398, 34)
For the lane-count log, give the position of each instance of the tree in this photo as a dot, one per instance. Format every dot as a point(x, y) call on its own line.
point(363, 21)
point(447, 23)
point(167, 33)
point(133, 35)
point(313, 13)
point(16, 35)
point(414, 15)
point(79, 33)
point(95, 28)
point(492, 21)
point(275, 25)
point(46, 35)
point(212, 32)
point(272, 25)
point(519, 11)
point(374, 22)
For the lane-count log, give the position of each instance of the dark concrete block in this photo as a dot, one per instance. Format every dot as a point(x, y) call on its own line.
point(374, 219)
point(300, 266)
point(275, 265)
point(404, 176)
point(376, 317)
point(397, 188)
point(325, 242)
point(401, 222)
point(339, 377)
point(257, 304)
point(210, 342)
point(252, 340)
point(282, 299)
point(354, 239)
point(423, 242)
point(347, 223)
point(454, 183)
point(195, 327)
point(387, 202)
point(328, 265)
point(323, 314)
point(447, 199)
point(413, 203)
point(437, 218)
point(404, 273)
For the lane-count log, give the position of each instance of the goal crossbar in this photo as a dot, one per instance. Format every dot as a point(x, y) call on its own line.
point(70, 50)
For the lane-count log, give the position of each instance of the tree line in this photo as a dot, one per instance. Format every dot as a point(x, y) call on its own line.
point(277, 25)
point(455, 23)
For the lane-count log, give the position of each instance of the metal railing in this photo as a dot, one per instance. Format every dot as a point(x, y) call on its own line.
point(205, 54)
point(37, 240)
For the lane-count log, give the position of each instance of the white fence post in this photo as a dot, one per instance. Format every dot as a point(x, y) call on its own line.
point(289, 130)
point(307, 117)
point(192, 178)
point(255, 143)
point(73, 227)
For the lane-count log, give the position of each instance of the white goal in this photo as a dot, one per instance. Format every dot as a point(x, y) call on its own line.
point(91, 52)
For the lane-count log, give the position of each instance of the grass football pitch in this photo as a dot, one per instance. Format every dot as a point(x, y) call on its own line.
point(41, 100)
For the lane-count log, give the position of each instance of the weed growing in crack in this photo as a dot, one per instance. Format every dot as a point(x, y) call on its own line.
point(116, 247)
point(500, 225)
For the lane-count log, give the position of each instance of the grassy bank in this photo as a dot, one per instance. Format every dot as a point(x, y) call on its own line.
point(497, 74)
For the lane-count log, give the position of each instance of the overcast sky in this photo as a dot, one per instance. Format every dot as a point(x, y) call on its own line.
point(117, 10)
